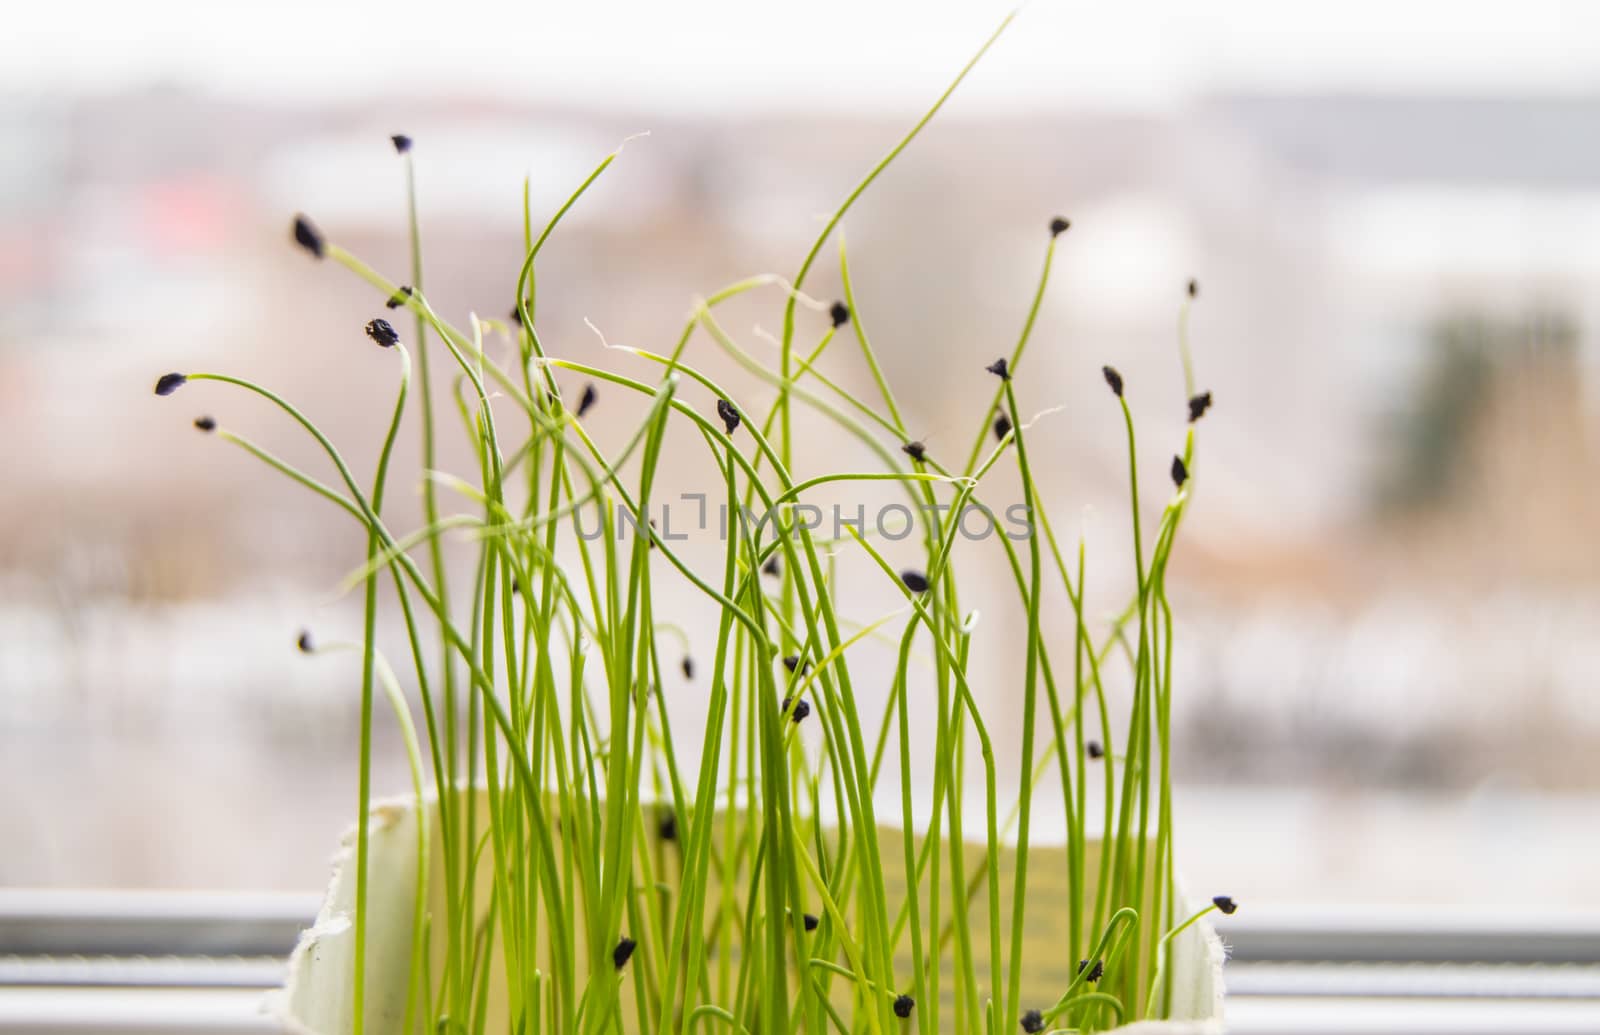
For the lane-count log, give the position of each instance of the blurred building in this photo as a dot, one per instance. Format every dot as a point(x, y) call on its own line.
point(1389, 579)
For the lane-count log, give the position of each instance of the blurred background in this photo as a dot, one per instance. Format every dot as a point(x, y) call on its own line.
point(1388, 589)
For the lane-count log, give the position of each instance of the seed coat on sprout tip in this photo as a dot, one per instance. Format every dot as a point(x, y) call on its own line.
point(729, 414)
point(1033, 1022)
point(624, 950)
point(399, 297)
point(307, 236)
point(1000, 368)
point(1094, 749)
point(839, 313)
point(401, 142)
point(1180, 473)
point(382, 332)
point(903, 1005)
point(205, 424)
point(1002, 427)
point(587, 399)
point(1225, 904)
point(1113, 379)
point(170, 383)
point(1059, 226)
point(915, 450)
point(303, 641)
point(810, 921)
point(1198, 405)
point(802, 708)
point(915, 581)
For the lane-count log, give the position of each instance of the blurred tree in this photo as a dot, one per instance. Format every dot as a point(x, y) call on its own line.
point(1428, 445)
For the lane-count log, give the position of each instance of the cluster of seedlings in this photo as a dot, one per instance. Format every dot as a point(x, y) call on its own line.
point(744, 890)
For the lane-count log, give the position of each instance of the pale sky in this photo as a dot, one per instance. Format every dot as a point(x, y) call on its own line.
point(720, 55)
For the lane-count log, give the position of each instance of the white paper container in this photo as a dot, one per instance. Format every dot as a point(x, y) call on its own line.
point(316, 1000)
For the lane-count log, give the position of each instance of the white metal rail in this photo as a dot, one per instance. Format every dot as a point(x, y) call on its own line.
point(138, 962)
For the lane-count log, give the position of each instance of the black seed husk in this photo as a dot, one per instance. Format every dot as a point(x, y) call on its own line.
point(382, 332)
point(307, 236)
